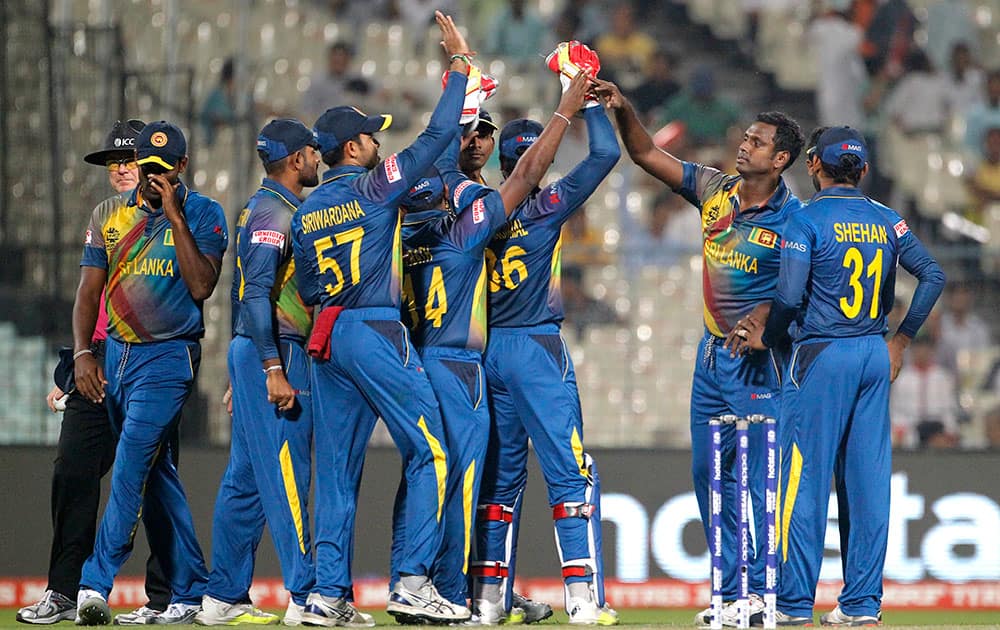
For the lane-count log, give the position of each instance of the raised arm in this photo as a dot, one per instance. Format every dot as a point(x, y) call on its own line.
point(637, 140)
point(532, 166)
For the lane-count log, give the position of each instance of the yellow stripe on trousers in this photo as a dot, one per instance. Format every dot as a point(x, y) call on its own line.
point(468, 485)
point(440, 463)
point(292, 492)
point(794, 476)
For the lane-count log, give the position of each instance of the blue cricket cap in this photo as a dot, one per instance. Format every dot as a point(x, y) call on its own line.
point(838, 141)
point(283, 137)
point(339, 124)
point(517, 135)
point(425, 194)
point(483, 124)
point(160, 143)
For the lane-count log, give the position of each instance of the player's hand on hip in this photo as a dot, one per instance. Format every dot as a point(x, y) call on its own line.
point(89, 378)
point(54, 395)
point(897, 346)
point(573, 98)
point(280, 391)
point(451, 39)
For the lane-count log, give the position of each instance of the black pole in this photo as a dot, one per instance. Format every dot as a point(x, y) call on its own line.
point(55, 176)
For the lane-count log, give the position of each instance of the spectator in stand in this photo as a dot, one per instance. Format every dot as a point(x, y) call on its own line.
point(966, 80)
point(517, 33)
point(219, 108)
point(948, 23)
point(336, 84)
point(582, 20)
point(960, 328)
point(582, 244)
point(705, 116)
point(888, 39)
point(984, 115)
point(984, 182)
point(671, 232)
point(625, 50)
point(658, 85)
point(581, 309)
point(836, 43)
point(923, 399)
point(921, 101)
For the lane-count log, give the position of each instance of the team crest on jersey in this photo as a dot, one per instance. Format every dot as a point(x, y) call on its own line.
point(478, 211)
point(392, 172)
point(764, 238)
point(268, 237)
point(111, 236)
point(901, 228)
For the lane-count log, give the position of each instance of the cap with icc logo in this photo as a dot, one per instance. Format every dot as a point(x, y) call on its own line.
point(839, 141)
point(283, 137)
point(161, 143)
point(339, 124)
point(425, 194)
point(517, 136)
point(119, 144)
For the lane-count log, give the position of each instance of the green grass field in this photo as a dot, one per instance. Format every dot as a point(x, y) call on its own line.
point(680, 618)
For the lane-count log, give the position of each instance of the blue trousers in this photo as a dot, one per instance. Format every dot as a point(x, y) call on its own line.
point(147, 386)
point(460, 386)
point(373, 372)
point(741, 386)
point(267, 480)
point(836, 406)
point(533, 393)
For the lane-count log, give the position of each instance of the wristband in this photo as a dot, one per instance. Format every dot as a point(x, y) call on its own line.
point(77, 355)
point(463, 56)
point(268, 370)
point(568, 121)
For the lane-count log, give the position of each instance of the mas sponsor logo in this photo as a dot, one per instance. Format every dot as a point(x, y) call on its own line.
point(392, 172)
point(478, 211)
point(799, 247)
point(901, 228)
point(762, 396)
point(268, 237)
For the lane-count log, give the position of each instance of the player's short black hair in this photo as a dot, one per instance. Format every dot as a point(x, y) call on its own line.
point(787, 135)
point(275, 167)
point(847, 171)
point(335, 156)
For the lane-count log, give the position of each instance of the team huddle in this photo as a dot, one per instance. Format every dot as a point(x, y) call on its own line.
point(408, 289)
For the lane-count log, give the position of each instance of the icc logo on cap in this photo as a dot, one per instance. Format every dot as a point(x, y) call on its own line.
point(158, 139)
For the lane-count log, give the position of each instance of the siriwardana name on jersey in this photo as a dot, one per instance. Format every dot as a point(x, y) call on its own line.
point(163, 267)
point(334, 215)
point(730, 257)
point(860, 233)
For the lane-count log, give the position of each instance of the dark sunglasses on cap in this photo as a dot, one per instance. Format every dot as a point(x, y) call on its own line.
point(154, 169)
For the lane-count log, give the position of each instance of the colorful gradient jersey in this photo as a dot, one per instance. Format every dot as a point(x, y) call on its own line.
point(346, 234)
point(147, 299)
point(265, 297)
point(525, 254)
point(741, 249)
point(445, 273)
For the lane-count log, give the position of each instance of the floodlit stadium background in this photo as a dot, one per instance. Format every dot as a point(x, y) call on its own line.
point(71, 67)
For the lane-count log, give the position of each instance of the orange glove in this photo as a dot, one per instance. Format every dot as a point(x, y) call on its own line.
point(570, 58)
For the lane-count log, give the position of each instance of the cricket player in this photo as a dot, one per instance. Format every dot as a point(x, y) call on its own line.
point(742, 219)
point(541, 402)
point(157, 255)
point(838, 276)
point(270, 455)
point(445, 286)
point(348, 260)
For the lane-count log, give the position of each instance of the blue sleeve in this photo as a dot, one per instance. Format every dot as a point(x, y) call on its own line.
point(389, 181)
point(478, 222)
point(211, 233)
point(309, 289)
point(793, 277)
point(564, 196)
point(689, 185)
point(267, 233)
point(915, 259)
point(94, 253)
